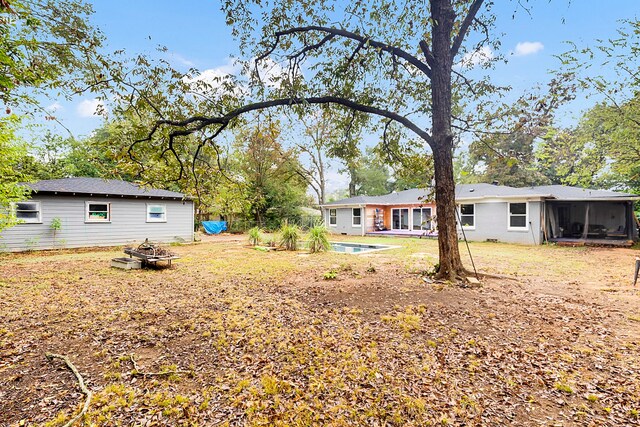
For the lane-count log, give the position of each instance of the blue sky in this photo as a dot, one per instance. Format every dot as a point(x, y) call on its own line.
point(196, 35)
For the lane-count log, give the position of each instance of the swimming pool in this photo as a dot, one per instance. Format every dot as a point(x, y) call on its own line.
point(356, 248)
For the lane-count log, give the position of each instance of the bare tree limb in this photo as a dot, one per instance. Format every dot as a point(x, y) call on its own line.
point(83, 387)
point(194, 124)
point(365, 41)
point(464, 28)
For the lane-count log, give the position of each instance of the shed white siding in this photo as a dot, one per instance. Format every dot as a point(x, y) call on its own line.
point(128, 224)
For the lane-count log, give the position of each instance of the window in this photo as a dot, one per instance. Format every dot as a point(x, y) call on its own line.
point(28, 212)
point(468, 216)
point(356, 216)
point(333, 217)
point(156, 213)
point(97, 212)
point(517, 216)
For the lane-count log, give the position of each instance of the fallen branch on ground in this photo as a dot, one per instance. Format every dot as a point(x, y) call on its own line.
point(138, 373)
point(83, 387)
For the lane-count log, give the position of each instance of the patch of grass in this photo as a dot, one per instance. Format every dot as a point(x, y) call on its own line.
point(405, 321)
point(563, 387)
point(330, 275)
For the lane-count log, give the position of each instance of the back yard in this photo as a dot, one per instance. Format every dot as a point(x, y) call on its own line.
point(235, 336)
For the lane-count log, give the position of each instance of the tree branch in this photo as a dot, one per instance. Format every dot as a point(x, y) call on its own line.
point(464, 28)
point(365, 41)
point(83, 387)
point(200, 122)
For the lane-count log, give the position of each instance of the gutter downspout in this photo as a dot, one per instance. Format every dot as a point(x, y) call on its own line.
point(364, 220)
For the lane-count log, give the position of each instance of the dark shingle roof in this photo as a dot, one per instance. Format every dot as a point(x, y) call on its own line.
point(565, 192)
point(482, 191)
point(99, 186)
point(412, 196)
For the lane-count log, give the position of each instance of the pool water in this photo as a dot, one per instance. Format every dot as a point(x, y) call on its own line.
point(357, 247)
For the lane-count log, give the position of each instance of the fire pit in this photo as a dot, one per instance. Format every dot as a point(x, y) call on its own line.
point(149, 253)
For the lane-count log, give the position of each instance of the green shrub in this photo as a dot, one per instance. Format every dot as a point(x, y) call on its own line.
point(255, 236)
point(318, 239)
point(55, 226)
point(289, 236)
point(330, 275)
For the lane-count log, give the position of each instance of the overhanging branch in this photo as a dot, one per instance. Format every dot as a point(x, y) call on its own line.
point(364, 41)
point(464, 28)
point(194, 124)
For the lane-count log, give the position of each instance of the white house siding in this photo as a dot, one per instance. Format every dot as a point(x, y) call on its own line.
point(128, 224)
point(492, 219)
point(344, 223)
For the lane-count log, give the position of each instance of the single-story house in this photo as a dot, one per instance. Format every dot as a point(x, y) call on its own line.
point(408, 212)
point(81, 212)
point(528, 215)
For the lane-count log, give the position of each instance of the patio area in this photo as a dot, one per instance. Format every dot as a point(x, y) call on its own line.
point(405, 233)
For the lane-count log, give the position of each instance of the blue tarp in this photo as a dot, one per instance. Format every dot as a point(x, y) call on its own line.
point(214, 227)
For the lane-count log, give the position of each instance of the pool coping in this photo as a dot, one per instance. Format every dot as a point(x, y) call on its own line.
point(368, 244)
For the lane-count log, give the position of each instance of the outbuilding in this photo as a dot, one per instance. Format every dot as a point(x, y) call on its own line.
point(83, 212)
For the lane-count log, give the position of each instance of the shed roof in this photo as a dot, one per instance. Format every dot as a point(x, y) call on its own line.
point(99, 186)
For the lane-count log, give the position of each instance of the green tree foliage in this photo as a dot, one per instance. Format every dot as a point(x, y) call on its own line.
point(13, 153)
point(274, 189)
point(508, 159)
point(608, 136)
point(46, 45)
point(571, 157)
point(371, 59)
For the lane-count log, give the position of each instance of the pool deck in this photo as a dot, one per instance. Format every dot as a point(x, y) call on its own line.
point(404, 233)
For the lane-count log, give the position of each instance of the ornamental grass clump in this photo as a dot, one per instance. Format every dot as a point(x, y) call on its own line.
point(289, 236)
point(255, 236)
point(318, 239)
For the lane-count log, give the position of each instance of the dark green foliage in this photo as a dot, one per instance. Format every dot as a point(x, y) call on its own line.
point(318, 239)
point(289, 236)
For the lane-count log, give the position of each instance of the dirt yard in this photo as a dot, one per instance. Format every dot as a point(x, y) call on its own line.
point(234, 336)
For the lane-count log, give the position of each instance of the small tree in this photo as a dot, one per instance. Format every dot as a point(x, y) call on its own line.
point(289, 236)
point(318, 239)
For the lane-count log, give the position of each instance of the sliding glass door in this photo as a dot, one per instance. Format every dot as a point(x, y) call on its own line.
point(421, 218)
point(400, 219)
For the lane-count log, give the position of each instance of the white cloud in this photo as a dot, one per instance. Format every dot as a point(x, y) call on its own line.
point(480, 56)
point(270, 72)
point(528, 48)
point(213, 79)
point(176, 58)
point(90, 108)
point(56, 106)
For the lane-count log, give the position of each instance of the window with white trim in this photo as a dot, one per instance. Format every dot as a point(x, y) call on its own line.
point(468, 216)
point(333, 217)
point(156, 212)
point(28, 212)
point(97, 212)
point(356, 217)
point(518, 216)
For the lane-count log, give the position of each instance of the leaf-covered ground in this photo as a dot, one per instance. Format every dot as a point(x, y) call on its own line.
point(234, 336)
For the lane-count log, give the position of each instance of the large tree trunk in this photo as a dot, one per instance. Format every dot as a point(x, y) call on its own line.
point(442, 145)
